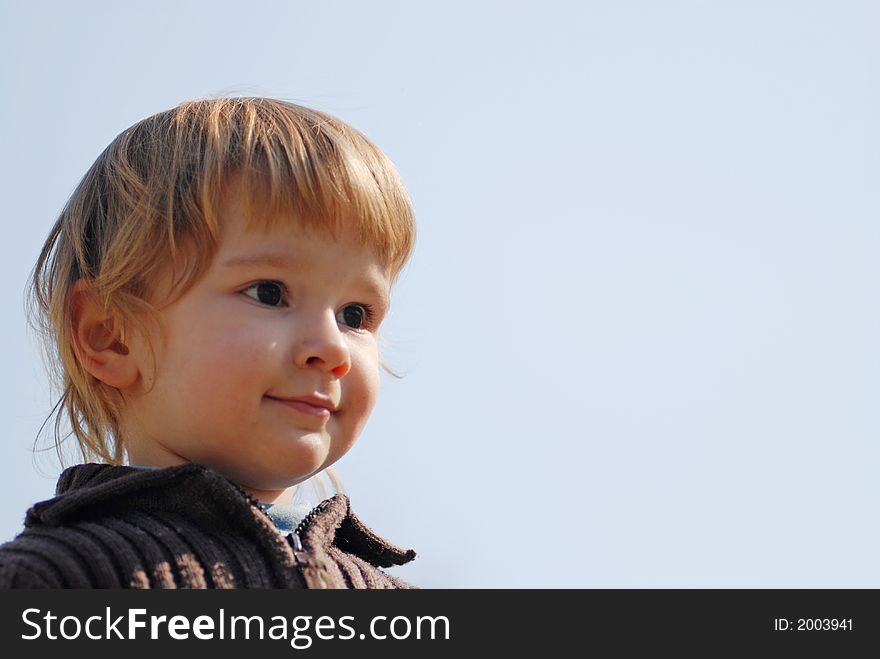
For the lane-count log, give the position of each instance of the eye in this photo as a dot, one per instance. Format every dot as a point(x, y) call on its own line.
point(270, 293)
point(356, 316)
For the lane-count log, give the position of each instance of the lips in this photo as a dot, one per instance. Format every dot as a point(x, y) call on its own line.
point(312, 405)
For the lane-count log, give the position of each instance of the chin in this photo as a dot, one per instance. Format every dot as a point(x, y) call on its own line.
point(285, 475)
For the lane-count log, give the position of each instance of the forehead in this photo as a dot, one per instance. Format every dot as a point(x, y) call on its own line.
point(288, 245)
point(243, 221)
point(261, 246)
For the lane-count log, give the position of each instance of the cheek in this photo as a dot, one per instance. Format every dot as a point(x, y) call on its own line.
point(363, 387)
point(226, 359)
point(371, 387)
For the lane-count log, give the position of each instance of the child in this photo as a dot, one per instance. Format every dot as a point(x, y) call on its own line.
point(213, 291)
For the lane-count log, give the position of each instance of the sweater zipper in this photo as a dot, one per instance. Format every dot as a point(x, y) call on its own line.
point(300, 557)
point(308, 518)
point(314, 578)
point(296, 538)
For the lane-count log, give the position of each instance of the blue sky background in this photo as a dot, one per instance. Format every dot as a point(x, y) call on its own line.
point(640, 329)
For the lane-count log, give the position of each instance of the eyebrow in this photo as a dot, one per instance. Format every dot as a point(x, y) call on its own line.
point(278, 260)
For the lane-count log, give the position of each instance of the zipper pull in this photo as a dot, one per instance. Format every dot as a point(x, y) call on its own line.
point(295, 541)
point(299, 555)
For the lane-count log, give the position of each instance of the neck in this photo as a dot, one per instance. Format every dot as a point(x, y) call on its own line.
point(165, 458)
point(284, 496)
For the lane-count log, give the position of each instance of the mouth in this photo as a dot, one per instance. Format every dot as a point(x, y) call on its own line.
point(313, 406)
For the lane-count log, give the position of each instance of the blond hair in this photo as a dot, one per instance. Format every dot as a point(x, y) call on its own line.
point(151, 201)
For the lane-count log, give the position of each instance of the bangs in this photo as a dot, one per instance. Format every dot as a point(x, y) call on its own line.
point(290, 163)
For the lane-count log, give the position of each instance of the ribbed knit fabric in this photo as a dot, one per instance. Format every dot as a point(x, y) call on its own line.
point(186, 527)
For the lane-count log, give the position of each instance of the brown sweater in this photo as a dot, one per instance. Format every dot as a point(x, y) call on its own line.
point(186, 527)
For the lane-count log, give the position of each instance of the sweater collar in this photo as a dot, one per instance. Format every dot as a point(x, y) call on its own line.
point(199, 492)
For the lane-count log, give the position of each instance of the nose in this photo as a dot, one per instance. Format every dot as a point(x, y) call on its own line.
point(321, 345)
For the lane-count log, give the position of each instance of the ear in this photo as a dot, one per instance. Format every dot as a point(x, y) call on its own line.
point(98, 340)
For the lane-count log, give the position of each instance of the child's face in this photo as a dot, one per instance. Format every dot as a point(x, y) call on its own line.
point(269, 366)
